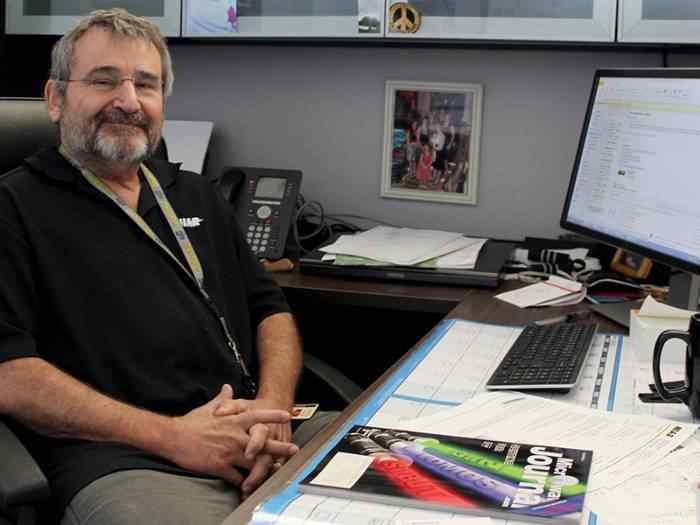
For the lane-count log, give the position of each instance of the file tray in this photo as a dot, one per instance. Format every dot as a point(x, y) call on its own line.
point(485, 274)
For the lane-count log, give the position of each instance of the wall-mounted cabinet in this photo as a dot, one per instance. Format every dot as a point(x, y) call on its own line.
point(659, 21)
point(638, 21)
point(47, 17)
point(283, 19)
point(553, 20)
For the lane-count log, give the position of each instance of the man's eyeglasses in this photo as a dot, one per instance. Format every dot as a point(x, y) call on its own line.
point(145, 85)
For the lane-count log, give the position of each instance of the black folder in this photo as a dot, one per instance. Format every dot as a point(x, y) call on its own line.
point(486, 273)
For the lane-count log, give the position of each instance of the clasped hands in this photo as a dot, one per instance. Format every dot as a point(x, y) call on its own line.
point(228, 434)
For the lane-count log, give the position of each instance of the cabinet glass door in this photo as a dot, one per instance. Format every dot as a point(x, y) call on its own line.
point(282, 18)
point(49, 17)
point(668, 21)
point(552, 20)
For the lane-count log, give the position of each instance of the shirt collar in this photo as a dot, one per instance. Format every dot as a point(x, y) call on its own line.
point(50, 163)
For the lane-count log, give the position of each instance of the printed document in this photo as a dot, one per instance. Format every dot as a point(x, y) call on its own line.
point(636, 501)
point(461, 362)
point(555, 290)
point(456, 365)
point(403, 246)
point(309, 509)
point(624, 445)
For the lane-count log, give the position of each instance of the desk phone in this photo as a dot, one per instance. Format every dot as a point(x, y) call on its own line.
point(265, 201)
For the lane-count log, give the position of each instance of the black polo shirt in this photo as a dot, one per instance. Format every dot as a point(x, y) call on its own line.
point(83, 287)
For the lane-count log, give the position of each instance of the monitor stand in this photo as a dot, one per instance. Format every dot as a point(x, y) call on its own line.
point(684, 290)
point(618, 312)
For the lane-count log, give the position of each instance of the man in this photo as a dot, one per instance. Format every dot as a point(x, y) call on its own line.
point(127, 342)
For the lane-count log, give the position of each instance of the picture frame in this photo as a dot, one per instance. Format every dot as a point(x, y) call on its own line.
point(432, 133)
point(630, 264)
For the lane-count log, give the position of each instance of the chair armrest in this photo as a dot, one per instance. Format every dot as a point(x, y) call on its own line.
point(21, 480)
point(346, 388)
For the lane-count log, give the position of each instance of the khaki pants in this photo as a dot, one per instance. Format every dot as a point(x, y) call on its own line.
point(148, 497)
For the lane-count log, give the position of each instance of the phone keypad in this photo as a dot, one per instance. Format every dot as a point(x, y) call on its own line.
point(259, 236)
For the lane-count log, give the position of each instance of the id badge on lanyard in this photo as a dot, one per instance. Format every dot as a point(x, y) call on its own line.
point(195, 271)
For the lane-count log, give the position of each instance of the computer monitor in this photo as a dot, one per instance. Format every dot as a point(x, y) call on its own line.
point(636, 179)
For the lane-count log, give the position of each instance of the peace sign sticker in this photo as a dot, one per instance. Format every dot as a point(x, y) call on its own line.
point(404, 18)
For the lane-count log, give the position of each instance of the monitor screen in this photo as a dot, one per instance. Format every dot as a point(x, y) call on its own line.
point(635, 183)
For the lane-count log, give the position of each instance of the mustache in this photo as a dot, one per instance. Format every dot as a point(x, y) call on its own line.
point(117, 116)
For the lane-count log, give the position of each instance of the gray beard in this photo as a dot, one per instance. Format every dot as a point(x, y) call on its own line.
point(97, 144)
point(115, 149)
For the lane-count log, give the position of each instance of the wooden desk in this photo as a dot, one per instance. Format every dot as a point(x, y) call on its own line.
point(338, 317)
point(370, 294)
point(476, 305)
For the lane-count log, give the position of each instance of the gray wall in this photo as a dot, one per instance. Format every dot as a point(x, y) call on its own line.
point(321, 110)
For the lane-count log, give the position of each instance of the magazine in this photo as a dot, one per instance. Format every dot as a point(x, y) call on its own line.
point(500, 479)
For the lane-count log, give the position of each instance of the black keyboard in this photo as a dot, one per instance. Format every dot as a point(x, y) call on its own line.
point(548, 357)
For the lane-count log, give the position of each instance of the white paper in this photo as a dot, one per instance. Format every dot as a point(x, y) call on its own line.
point(464, 258)
point(652, 308)
point(646, 325)
point(623, 444)
point(442, 521)
point(539, 293)
point(636, 501)
point(402, 246)
point(566, 300)
point(461, 362)
point(309, 509)
point(343, 470)
point(461, 253)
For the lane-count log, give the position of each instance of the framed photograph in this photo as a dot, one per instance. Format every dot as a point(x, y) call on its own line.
point(431, 141)
point(630, 264)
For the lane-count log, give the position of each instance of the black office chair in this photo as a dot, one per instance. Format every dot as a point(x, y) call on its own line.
point(24, 128)
point(24, 490)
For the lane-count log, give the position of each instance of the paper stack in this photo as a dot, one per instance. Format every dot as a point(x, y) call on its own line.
point(642, 465)
point(385, 245)
point(555, 291)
